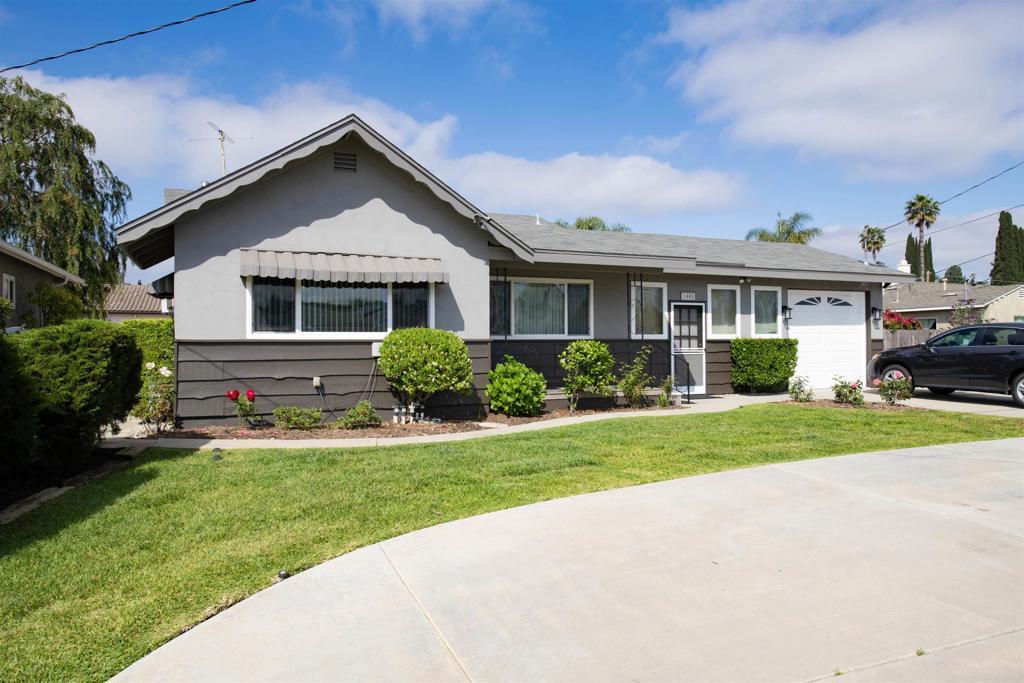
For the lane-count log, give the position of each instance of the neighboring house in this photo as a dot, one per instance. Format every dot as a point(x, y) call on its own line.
point(134, 302)
point(931, 302)
point(20, 272)
point(292, 267)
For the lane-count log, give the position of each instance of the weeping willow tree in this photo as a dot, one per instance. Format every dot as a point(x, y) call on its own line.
point(57, 200)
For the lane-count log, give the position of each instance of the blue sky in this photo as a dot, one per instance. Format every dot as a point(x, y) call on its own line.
point(691, 118)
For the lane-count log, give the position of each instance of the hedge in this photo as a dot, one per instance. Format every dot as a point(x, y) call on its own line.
point(763, 364)
point(87, 376)
point(19, 405)
point(155, 338)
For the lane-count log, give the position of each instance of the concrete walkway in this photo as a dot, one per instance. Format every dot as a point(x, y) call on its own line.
point(986, 404)
point(788, 572)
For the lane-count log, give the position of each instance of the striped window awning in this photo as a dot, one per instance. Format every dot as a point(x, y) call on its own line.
point(340, 267)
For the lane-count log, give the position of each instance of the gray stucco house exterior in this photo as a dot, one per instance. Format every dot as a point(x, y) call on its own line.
point(20, 273)
point(296, 265)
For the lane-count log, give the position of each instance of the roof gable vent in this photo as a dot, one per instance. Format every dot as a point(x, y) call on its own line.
point(344, 161)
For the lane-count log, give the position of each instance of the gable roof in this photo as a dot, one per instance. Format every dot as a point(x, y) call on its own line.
point(125, 298)
point(36, 262)
point(149, 239)
point(685, 254)
point(930, 296)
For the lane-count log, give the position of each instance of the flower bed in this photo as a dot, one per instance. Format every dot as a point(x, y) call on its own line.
point(386, 430)
point(826, 403)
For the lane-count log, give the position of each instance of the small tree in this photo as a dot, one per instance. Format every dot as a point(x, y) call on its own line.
point(419, 362)
point(587, 365)
point(635, 379)
point(56, 305)
point(1008, 265)
point(954, 275)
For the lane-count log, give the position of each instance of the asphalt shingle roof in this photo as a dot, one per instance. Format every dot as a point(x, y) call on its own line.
point(124, 298)
point(930, 295)
point(707, 250)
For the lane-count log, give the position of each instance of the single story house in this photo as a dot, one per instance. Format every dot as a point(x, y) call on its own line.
point(20, 272)
point(932, 302)
point(134, 302)
point(297, 265)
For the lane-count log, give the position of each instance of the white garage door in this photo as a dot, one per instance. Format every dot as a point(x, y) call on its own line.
point(832, 334)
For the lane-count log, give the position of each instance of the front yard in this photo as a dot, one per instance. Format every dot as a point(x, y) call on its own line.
point(106, 573)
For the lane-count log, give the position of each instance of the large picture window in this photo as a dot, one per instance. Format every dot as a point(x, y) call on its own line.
point(724, 310)
point(648, 308)
point(767, 318)
point(337, 309)
point(535, 307)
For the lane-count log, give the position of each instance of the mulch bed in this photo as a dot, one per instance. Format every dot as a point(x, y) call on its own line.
point(386, 430)
point(564, 412)
point(867, 406)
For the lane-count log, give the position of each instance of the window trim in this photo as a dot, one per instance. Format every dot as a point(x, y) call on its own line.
point(14, 285)
point(297, 333)
point(565, 314)
point(633, 298)
point(754, 289)
point(711, 335)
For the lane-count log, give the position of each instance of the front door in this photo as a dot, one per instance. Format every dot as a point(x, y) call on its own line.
point(688, 347)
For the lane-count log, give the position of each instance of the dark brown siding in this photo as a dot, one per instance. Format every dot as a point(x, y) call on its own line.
point(719, 357)
point(542, 355)
point(281, 373)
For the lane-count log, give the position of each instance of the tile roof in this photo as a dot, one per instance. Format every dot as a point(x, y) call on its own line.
point(124, 298)
point(930, 295)
point(707, 250)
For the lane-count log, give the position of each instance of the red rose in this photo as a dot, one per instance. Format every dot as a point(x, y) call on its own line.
point(251, 395)
point(232, 394)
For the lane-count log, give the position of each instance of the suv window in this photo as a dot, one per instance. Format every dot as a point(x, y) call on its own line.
point(1002, 336)
point(963, 337)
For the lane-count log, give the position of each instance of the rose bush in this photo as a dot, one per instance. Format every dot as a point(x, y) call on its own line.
point(847, 391)
point(894, 390)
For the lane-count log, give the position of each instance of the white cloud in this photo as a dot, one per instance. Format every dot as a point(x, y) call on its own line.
point(914, 89)
point(948, 246)
point(654, 144)
point(418, 16)
point(144, 124)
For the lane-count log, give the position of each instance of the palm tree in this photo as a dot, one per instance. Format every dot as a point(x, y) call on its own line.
point(921, 212)
point(872, 241)
point(787, 230)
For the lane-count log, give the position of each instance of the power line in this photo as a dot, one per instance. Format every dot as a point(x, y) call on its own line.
point(950, 227)
point(963, 192)
point(942, 270)
point(130, 35)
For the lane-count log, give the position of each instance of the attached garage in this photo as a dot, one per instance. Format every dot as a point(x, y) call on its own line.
point(831, 328)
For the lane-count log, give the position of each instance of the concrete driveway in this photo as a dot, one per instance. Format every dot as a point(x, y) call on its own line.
point(782, 573)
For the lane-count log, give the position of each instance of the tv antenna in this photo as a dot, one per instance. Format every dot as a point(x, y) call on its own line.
point(222, 137)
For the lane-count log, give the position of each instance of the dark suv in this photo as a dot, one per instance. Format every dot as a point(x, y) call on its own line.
point(987, 357)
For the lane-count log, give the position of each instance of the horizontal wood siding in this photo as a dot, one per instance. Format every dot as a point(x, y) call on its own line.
point(542, 355)
point(281, 373)
point(719, 360)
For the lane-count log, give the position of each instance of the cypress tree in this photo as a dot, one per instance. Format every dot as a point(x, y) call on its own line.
point(912, 255)
point(929, 263)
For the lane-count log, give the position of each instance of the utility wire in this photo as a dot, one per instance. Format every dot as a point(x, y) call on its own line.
point(942, 270)
point(963, 192)
point(130, 35)
point(950, 227)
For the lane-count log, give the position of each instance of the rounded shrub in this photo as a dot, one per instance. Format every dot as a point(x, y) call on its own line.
point(294, 417)
point(516, 390)
point(763, 365)
point(360, 416)
point(419, 362)
point(587, 365)
point(87, 373)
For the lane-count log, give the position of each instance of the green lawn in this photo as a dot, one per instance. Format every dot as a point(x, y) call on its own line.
point(106, 573)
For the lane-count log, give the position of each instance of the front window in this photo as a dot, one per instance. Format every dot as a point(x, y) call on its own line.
point(766, 311)
point(9, 289)
point(724, 301)
point(540, 308)
point(362, 310)
point(928, 323)
point(964, 337)
point(647, 309)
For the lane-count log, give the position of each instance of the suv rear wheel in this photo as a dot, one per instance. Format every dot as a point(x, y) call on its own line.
point(1017, 389)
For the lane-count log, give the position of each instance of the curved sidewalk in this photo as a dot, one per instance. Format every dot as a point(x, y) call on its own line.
point(788, 572)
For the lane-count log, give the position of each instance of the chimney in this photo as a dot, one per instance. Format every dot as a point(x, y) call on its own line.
point(904, 266)
point(943, 283)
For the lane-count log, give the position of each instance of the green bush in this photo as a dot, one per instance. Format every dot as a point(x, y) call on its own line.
point(6, 313)
point(19, 404)
point(763, 364)
point(587, 365)
point(360, 416)
point(155, 338)
point(419, 362)
point(55, 305)
point(87, 374)
point(293, 417)
point(848, 391)
point(155, 407)
point(635, 379)
point(516, 390)
point(665, 397)
point(800, 389)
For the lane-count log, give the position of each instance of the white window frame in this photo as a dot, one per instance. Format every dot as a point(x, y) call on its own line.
point(14, 285)
point(754, 289)
point(634, 296)
point(340, 336)
point(565, 321)
point(739, 303)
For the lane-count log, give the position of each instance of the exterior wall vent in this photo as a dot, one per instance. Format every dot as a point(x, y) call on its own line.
point(344, 161)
